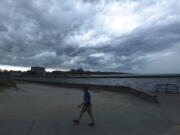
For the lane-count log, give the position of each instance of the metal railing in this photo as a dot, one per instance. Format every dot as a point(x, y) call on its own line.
point(166, 88)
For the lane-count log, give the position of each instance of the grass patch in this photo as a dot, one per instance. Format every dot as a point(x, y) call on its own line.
point(7, 83)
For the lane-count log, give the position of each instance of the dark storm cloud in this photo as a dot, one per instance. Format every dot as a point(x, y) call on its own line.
point(115, 35)
point(153, 39)
point(2, 28)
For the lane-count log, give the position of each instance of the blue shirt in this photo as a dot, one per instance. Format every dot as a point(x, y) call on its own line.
point(87, 99)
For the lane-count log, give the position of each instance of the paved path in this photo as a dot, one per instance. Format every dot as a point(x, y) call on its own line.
point(46, 110)
point(170, 105)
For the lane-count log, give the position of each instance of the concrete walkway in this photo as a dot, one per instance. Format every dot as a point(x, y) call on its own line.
point(46, 110)
point(170, 105)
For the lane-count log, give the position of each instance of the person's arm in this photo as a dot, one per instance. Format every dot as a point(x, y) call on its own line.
point(79, 106)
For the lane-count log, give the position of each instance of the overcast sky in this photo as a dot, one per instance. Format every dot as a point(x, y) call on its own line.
point(109, 35)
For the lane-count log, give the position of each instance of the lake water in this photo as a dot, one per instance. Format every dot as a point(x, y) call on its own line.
point(143, 84)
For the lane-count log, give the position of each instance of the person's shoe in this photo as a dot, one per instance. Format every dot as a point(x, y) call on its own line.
point(91, 124)
point(76, 121)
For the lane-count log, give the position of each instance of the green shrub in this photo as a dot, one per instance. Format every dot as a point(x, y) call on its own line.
point(7, 83)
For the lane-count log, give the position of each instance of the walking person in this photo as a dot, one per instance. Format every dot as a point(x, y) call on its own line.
point(86, 107)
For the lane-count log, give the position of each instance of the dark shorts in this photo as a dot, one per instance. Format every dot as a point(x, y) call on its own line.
point(86, 108)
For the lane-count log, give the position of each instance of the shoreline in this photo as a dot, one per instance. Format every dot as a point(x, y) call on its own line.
point(147, 85)
point(115, 76)
point(118, 89)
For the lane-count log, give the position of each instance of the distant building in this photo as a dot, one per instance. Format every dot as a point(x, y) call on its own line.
point(38, 70)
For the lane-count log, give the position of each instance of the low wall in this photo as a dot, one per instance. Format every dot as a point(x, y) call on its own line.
point(119, 89)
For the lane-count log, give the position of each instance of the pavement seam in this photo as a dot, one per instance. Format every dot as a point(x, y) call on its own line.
point(31, 127)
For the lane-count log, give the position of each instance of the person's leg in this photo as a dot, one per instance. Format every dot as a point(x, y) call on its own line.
point(81, 115)
point(89, 110)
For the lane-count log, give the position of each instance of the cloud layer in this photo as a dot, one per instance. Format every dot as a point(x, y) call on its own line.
point(111, 35)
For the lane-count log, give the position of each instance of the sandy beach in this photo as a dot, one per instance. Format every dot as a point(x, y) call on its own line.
point(36, 109)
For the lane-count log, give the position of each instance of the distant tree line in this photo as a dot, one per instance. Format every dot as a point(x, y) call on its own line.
point(57, 73)
point(81, 71)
